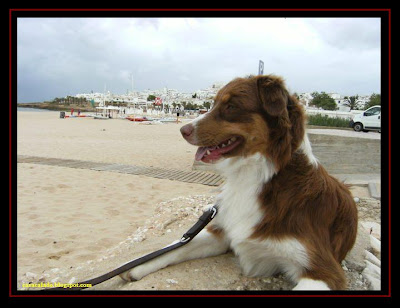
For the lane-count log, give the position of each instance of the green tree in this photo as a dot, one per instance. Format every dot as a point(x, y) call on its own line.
point(352, 102)
point(207, 105)
point(56, 100)
point(375, 99)
point(151, 98)
point(323, 100)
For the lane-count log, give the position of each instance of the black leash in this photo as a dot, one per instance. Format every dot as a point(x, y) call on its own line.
point(204, 219)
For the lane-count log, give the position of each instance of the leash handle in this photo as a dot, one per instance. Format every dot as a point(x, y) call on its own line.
point(203, 221)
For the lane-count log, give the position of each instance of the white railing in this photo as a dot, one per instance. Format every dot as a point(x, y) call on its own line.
point(334, 113)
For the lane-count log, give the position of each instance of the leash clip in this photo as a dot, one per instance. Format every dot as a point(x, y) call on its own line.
point(185, 239)
point(214, 209)
point(201, 223)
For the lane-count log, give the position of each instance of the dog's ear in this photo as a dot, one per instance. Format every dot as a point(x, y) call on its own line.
point(272, 94)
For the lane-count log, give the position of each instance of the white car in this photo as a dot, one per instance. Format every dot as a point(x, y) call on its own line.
point(369, 119)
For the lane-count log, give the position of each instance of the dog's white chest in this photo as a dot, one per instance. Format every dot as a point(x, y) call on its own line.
point(239, 208)
point(240, 212)
point(237, 217)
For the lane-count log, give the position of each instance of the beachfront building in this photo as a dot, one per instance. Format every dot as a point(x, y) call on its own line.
point(168, 97)
point(166, 100)
point(96, 97)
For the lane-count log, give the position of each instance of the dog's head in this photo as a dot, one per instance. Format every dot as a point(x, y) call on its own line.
point(250, 115)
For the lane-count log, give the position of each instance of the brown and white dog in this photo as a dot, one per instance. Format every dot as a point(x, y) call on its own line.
point(279, 210)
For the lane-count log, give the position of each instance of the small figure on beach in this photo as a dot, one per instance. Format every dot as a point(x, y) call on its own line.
point(72, 111)
point(79, 112)
point(177, 117)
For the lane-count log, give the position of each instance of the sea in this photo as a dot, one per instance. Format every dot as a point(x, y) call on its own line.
point(34, 109)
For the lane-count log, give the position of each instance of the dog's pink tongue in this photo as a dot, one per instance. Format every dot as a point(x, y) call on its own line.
point(200, 153)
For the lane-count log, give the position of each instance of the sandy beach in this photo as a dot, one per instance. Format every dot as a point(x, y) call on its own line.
point(74, 224)
point(115, 140)
point(69, 216)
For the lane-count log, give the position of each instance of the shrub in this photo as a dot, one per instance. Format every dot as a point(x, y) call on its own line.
point(324, 120)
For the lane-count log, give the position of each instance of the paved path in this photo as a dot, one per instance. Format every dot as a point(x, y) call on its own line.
point(346, 155)
point(198, 177)
point(345, 133)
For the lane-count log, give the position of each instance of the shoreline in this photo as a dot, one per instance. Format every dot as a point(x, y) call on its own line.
point(52, 107)
point(36, 107)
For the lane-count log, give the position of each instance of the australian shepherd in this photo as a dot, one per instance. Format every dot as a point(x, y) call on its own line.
point(279, 209)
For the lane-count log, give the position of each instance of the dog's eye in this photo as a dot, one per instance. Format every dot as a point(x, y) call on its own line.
point(231, 107)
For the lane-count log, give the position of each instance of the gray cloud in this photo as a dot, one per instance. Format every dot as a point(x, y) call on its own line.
point(66, 56)
point(349, 33)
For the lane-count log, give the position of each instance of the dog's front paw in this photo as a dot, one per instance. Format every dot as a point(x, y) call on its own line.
point(128, 276)
point(137, 272)
point(144, 269)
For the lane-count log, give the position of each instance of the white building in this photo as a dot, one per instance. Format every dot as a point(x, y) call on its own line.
point(96, 97)
point(305, 98)
point(340, 100)
point(362, 100)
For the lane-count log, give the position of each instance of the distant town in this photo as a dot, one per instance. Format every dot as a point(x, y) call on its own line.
point(172, 100)
point(161, 99)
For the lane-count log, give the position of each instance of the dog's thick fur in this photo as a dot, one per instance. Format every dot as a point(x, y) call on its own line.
point(279, 210)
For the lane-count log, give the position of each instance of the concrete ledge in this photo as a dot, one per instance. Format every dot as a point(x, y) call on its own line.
point(358, 179)
point(375, 190)
point(354, 160)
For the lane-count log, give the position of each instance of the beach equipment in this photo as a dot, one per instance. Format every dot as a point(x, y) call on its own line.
point(167, 120)
point(138, 119)
point(100, 117)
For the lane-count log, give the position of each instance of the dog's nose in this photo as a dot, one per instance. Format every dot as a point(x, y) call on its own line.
point(187, 130)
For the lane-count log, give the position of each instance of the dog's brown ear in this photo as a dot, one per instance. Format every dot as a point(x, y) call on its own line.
point(272, 93)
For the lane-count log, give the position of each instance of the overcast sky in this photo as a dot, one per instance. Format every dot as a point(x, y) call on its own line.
point(67, 56)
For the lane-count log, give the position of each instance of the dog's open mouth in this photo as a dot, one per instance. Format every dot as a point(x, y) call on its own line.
point(213, 153)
